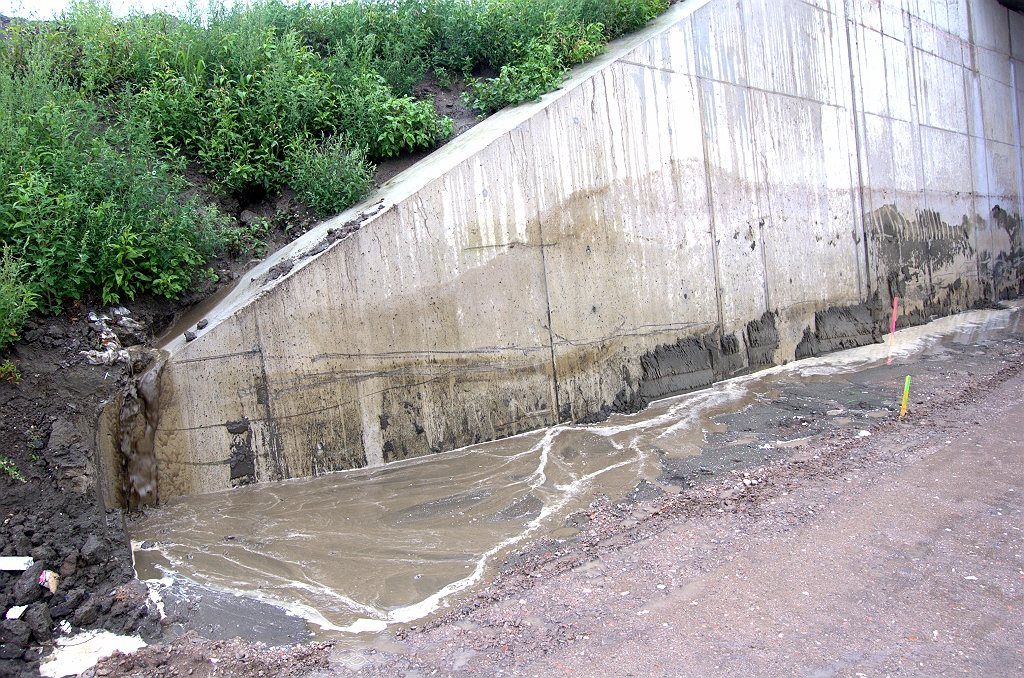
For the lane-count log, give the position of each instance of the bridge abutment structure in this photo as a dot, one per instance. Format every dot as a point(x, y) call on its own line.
point(735, 186)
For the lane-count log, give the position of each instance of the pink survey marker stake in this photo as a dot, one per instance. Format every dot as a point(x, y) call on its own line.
point(892, 331)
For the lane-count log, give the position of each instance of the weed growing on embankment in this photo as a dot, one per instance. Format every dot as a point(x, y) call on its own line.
point(9, 372)
point(101, 116)
point(9, 469)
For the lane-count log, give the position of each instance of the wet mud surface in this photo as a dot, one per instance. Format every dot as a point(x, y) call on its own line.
point(857, 543)
point(569, 499)
point(894, 552)
point(725, 454)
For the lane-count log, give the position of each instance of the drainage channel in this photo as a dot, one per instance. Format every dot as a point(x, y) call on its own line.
point(359, 551)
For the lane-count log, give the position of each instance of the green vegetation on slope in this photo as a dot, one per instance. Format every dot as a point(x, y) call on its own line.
point(100, 116)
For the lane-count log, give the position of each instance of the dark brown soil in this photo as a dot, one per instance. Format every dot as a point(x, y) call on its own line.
point(48, 429)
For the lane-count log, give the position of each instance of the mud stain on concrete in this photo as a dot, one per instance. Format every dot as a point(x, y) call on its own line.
point(912, 258)
point(762, 340)
point(689, 364)
point(838, 328)
point(1008, 267)
point(243, 459)
point(137, 421)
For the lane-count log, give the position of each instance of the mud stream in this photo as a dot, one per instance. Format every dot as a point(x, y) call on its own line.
point(358, 551)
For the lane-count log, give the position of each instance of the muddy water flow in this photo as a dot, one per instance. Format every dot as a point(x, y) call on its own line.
point(358, 551)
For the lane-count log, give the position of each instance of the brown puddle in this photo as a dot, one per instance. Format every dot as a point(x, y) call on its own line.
point(359, 550)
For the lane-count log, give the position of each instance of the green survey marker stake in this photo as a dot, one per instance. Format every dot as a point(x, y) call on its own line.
point(906, 395)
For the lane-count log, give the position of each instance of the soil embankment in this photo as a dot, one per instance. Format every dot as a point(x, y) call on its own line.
point(55, 514)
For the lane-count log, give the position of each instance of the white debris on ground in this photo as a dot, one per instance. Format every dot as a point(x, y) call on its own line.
point(78, 653)
point(16, 612)
point(112, 350)
point(15, 563)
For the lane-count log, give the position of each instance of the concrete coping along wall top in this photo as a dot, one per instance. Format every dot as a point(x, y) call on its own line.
point(301, 251)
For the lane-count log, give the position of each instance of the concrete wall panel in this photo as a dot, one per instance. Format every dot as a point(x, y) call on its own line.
point(719, 37)
point(621, 256)
point(706, 197)
point(940, 92)
point(989, 25)
point(671, 50)
point(1016, 35)
point(997, 110)
point(738, 211)
point(897, 78)
point(793, 49)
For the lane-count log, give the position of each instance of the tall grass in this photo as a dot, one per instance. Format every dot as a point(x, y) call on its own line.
point(99, 116)
point(87, 200)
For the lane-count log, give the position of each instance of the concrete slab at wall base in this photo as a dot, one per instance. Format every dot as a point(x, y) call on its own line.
point(737, 185)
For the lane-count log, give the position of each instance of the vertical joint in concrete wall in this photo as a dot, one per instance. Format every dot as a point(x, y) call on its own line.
point(272, 443)
point(559, 415)
point(857, 195)
point(764, 265)
point(713, 232)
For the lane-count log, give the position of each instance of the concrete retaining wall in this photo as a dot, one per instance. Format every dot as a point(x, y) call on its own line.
point(740, 184)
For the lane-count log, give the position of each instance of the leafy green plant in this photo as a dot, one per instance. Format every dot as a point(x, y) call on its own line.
point(247, 239)
point(9, 372)
point(17, 300)
point(89, 201)
point(9, 468)
point(330, 175)
point(407, 125)
point(542, 68)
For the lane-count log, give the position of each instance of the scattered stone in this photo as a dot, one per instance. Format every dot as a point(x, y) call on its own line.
point(26, 588)
point(69, 566)
point(201, 325)
point(87, 612)
point(94, 551)
point(39, 622)
point(15, 632)
point(44, 554)
point(190, 335)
